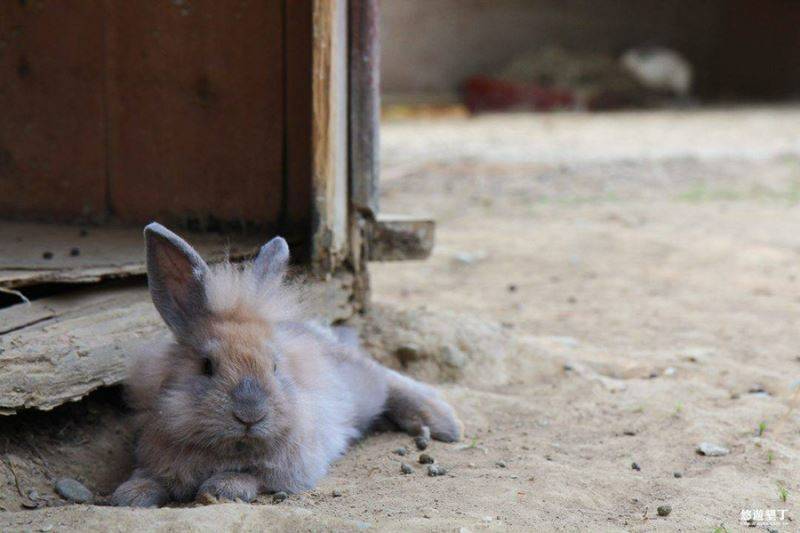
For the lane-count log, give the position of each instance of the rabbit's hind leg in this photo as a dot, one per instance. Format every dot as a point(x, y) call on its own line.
point(411, 405)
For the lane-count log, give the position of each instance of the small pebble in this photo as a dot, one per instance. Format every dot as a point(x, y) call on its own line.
point(400, 451)
point(75, 252)
point(712, 450)
point(47, 255)
point(501, 464)
point(512, 288)
point(425, 459)
point(664, 510)
point(83, 232)
point(677, 475)
point(436, 470)
point(278, 497)
point(73, 490)
point(636, 467)
point(423, 439)
point(629, 433)
point(336, 494)
point(406, 468)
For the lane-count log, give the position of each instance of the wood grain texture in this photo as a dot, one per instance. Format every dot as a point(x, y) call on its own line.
point(81, 345)
point(400, 238)
point(298, 38)
point(196, 111)
point(52, 131)
point(103, 252)
point(329, 134)
point(364, 69)
point(61, 348)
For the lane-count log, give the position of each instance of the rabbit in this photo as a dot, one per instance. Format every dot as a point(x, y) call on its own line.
point(252, 396)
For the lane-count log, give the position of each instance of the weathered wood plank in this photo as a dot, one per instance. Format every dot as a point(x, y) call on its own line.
point(400, 238)
point(364, 71)
point(59, 349)
point(43, 253)
point(329, 134)
point(80, 346)
point(297, 172)
point(52, 132)
point(195, 104)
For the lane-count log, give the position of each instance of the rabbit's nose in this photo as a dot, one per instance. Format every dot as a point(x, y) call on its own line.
point(249, 402)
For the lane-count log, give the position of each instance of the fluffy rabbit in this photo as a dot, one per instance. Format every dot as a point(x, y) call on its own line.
point(251, 397)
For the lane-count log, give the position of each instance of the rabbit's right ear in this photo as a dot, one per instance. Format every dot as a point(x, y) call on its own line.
point(175, 275)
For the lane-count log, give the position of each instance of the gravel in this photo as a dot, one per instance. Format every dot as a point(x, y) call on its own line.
point(436, 470)
point(425, 459)
point(400, 451)
point(406, 468)
point(278, 497)
point(664, 510)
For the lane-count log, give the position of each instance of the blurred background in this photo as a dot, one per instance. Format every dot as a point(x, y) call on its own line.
point(545, 54)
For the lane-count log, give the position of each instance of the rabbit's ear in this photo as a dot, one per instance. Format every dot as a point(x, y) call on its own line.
point(272, 259)
point(175, 274)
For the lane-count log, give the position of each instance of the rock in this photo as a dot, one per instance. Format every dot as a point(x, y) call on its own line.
point(501, 464)
point(712, 450)
point(664, 510)
point(400, 451)
point(436, 470)
point(73, 490)
point(636, 466)
point(425, 459)
point(278, 497)
point(677, 475)
point(406, 468)
point(75, 252)
point(336, 494)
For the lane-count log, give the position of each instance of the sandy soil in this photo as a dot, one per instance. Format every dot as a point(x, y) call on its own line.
point(596, 298)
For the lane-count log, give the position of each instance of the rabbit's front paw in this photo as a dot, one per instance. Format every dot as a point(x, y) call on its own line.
point(230, 486)
point(139, 492)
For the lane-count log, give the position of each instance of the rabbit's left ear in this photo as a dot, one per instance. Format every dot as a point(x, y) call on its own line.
point(175, 275)
point(272, 259)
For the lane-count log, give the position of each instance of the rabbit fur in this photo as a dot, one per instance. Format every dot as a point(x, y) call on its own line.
point(251, 396)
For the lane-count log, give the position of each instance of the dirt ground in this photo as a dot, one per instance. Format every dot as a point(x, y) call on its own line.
point(605, 290)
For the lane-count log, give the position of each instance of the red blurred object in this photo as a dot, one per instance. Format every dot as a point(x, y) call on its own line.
point(483, 93)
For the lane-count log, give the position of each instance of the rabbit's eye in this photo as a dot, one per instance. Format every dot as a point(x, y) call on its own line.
point(208, 367)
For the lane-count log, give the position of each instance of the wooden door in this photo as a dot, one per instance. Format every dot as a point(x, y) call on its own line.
point(169, 110)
